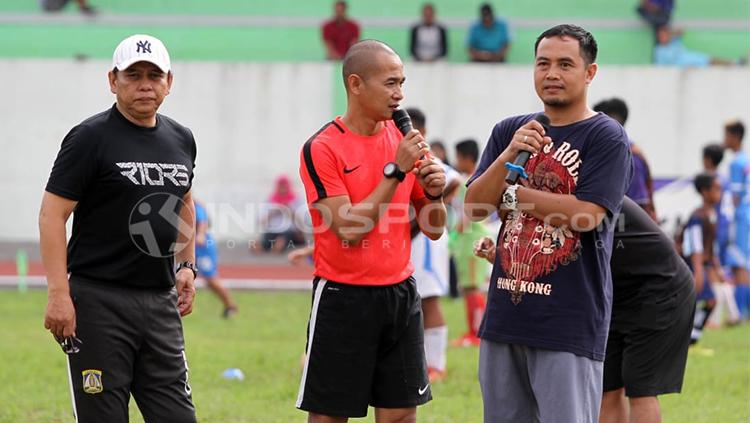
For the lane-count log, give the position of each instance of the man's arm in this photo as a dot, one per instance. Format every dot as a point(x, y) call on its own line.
point(696, 260)
point(59, 317)
point(351, 222)
point(185, 278)
point(484, 192)
point(431, 214)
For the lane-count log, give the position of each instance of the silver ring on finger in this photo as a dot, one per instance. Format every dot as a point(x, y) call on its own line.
point(525, 138)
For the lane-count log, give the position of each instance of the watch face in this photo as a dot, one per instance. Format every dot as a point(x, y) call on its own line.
point(389, 169)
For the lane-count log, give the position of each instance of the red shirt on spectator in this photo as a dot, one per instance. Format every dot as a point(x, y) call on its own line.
point(341, 34)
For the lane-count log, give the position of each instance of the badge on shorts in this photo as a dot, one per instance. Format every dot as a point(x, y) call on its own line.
point(92, 381)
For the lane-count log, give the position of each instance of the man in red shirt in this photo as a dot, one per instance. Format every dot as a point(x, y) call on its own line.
point(339, 33)
point(365, 339)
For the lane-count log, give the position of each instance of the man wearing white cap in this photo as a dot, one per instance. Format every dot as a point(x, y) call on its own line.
point(115, 300)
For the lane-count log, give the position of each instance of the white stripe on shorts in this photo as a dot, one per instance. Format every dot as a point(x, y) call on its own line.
point(313, 316)
point(72, 391)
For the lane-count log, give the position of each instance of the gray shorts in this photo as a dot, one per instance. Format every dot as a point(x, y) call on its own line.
point(524, 384)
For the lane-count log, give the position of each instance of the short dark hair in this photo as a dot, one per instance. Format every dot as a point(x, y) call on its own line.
point(614, 108)
point(735, 128)
point(703, 182)
point(586, 41)
point(418, 118)
point(486, 9)
point(714, 153)
point(468, 148)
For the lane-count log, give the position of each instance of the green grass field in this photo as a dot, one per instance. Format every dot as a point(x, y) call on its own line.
point(266, 341)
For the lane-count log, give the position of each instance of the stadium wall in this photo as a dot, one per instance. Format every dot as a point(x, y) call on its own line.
point(250, 119)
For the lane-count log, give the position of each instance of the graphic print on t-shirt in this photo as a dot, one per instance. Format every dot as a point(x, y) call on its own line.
point(531, 247)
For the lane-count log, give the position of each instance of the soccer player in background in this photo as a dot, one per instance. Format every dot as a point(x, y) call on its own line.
point(207, 260)
point(738, 256)
point(365, 337)
point(471, 272)
point(698, 244)
point(431, 271)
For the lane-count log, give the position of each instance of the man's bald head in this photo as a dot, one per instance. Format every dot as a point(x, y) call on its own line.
point(362, 59)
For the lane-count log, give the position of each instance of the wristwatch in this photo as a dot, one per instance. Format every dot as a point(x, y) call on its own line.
point(433, 197)
point(391, 170)
point(509, 198)
point(189, 265)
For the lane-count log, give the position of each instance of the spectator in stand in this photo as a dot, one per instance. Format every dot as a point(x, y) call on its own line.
point(279, 230)
point(339, 33)
point(489, 38)
point(641, 188)
point(656, 12)
point(58, 5)
point(428, 41)
point(670, 51)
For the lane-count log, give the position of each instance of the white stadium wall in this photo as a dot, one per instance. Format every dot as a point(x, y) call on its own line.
point(250, 119)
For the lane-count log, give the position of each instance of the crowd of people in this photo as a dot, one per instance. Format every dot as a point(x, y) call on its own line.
point(585, 292)
point(488, 40)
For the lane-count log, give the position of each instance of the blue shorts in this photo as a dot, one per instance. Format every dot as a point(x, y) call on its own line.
point(206, 259)
point(738, 253)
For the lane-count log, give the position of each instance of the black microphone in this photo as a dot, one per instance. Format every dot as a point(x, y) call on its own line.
point(523, 157)
point(402, 120)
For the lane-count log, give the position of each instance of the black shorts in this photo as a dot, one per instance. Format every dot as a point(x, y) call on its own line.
point(365, 346)
point(131, 343)
point(650, 362)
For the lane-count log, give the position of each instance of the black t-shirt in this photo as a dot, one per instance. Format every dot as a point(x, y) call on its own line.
point(129, 182)
point(650, 280)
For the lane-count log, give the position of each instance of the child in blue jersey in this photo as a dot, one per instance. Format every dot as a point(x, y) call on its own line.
point(206, 259)
point(738, 254)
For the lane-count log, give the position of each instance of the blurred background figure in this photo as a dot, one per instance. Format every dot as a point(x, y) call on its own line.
point(437, 149)
point(489, 38)
point(207, 259)
point(472, 271)
point(670, 51)
point(656, 12)
point(738, 255)
point(58, 5)
point(641, 188)
point(428, 41)
point(339, 33)
point(277, 223)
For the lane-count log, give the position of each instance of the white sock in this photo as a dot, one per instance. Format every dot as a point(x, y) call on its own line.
point(435, 343)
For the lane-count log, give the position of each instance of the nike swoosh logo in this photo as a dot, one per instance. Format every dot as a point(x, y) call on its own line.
point(350, 170)
point(423, 390)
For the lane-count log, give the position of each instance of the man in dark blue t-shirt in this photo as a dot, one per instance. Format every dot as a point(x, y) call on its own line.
point(545, 328)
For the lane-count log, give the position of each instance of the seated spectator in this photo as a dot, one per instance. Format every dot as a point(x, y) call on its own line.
point(339, 33)
point(58, 5)
point(489, 38)
point(279, 230)
point(656, 12)
point(670, 51)
point(428, 39)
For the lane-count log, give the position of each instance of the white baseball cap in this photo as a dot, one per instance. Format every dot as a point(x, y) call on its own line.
point(141, 48)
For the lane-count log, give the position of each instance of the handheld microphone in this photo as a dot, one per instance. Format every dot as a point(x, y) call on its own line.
point(402, 120)
point(516, 168)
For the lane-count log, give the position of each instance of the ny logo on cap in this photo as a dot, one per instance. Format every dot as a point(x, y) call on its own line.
point(143, 47)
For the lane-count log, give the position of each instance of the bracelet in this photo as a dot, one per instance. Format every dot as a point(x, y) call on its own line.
point(433, 197)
